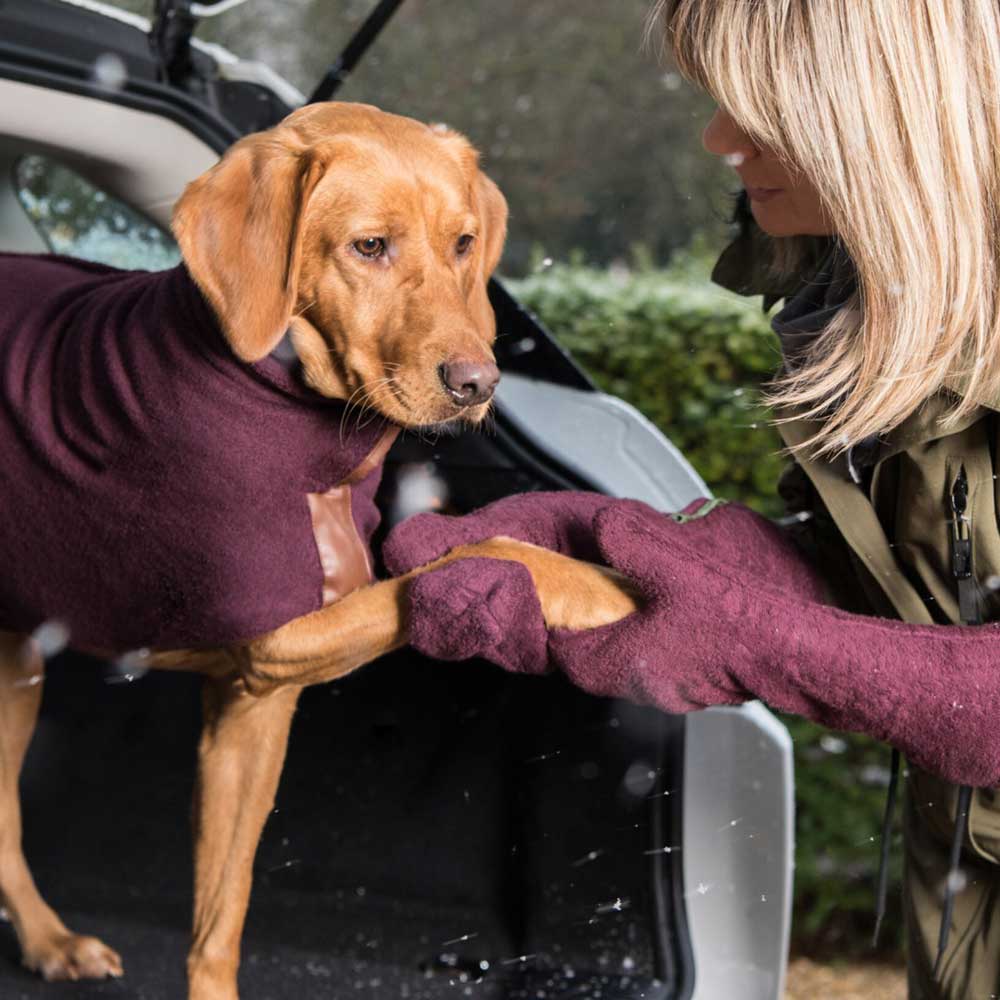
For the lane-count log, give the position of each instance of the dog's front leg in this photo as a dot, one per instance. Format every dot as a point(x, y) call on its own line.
point(240, 757)
point(372, 621)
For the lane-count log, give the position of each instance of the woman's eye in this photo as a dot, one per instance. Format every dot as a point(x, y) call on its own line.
point(373, 246)
point(464, 244)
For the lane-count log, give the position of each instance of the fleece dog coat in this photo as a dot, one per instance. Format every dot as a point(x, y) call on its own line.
point(154, 489)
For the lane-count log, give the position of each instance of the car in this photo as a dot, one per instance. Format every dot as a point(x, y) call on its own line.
point(441, 829)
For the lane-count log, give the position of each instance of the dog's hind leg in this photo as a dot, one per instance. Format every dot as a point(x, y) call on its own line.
point(240, 757)
point(47, 946)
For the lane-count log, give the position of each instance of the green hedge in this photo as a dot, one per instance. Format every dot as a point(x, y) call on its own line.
point(688, 354)
point(693, 358)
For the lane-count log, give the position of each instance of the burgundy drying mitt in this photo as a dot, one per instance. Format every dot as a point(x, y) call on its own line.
point(730, 611)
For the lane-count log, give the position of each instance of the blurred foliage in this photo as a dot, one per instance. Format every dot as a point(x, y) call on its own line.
point(594, 141)
point(840, 789)
point(693, 357)
point(689, 355)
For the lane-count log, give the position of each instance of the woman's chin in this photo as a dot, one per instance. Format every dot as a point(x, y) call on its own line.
point(778, 223)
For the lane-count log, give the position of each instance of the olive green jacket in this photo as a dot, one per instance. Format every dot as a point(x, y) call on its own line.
point(900, 533)
point(888, 550)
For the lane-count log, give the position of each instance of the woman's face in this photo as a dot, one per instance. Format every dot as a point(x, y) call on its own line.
point(782, 204)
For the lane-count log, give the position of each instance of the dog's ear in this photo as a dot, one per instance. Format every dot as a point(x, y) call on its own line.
point(491, 207)
point(239, 227)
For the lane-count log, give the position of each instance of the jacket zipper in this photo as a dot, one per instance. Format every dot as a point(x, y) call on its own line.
point(969, 608)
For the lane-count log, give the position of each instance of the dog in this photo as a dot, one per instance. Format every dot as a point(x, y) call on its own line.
point(170, 486)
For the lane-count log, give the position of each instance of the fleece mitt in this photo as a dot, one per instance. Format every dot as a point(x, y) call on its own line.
point(729, 611)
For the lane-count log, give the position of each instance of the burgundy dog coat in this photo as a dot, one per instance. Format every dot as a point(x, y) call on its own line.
point(154, 489)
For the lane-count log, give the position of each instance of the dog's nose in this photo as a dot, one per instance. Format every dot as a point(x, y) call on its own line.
point(469, 382)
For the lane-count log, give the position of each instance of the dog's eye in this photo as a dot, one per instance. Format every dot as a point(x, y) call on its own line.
point(373, 246)
point(464, 244)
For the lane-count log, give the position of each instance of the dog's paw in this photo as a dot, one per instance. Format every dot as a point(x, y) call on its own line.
point(73, 956)
point(212, 979)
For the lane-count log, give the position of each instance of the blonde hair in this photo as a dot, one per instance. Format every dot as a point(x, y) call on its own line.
point(891, 109)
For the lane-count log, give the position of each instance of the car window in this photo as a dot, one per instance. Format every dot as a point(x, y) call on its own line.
point(76, 218)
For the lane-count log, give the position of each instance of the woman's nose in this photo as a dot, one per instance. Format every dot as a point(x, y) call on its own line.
point(723, 137)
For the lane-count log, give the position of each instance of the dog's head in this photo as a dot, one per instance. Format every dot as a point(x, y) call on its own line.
point(371, 237)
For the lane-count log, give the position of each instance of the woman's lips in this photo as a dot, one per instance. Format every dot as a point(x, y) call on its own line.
point(763, 194)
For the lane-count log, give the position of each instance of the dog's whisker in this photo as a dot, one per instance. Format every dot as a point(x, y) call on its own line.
point(364, 390)
point(347, 410)
point(368, 391)
point(302, 311)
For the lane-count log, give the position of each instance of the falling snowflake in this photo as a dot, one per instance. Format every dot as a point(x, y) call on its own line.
point(51, 637)
point(110, 71)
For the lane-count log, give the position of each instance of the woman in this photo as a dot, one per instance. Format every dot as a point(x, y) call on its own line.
point(865, 134)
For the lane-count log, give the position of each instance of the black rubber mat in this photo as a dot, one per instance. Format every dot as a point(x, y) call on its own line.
point(442, 830)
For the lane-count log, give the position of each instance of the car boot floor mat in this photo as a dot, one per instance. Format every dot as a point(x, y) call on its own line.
point(441, 830)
